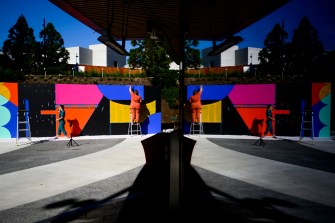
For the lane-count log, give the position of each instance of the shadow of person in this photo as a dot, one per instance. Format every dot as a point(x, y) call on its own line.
point(144, 118)
point(256, 127)
point(74, 126)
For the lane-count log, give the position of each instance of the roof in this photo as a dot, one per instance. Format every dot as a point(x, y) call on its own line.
point(171, 20)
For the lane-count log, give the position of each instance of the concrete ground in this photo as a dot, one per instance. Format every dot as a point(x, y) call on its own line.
point(106, 179)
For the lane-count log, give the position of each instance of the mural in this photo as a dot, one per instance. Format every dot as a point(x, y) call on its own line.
point(104, 109)
point(321, 106)
point(8, 109)
point(237, 109)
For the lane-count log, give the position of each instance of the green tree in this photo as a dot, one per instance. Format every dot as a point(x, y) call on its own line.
point(52, 50)
point(149, 56)
point(304, 48)
point(20, 45)
point(273, 56)
point(192, 56)
point(155, 60)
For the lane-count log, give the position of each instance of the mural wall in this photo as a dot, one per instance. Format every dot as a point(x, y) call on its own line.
point(104, 109)
point(8, 109)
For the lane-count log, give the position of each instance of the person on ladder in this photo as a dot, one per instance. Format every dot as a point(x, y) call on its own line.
point(61, 120)
point(195, 102)
point(135, 105)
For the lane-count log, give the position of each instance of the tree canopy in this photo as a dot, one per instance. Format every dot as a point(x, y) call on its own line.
point(29, 55)
point(273, 56)
point(20, 45)
point(297, 57)
point(149, 56)
point(304, 48)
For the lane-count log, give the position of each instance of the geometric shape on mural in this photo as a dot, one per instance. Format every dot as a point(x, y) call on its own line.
point(119, 113)
point(147, 110)
point(232, 122)
point(9, 93)
point(321, 107)
point(98, 123)
point(5, 115)
point(211, 113)
point(324, 113)
point(152, 124)
point(119, 92)
point(211, 92)
point(4, 133)
point(77, 94)
point(254, 119)
point(77, 116)
point(4, 94)
point(320, 91)
point(8, 109)
point(253, 94)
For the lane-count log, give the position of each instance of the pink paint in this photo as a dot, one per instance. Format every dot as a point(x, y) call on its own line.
point(255, 94)
point(82, 94)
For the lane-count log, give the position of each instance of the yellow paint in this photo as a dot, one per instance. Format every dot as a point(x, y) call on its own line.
point(211, 113)
point(120, 113)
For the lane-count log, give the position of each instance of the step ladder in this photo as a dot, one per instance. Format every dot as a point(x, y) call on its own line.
point(134, 128)
point(307, 125)
point(197, 127)
point(23, 125)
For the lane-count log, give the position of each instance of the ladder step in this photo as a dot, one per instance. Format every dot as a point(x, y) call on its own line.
point(23, 122)
point(22, 130)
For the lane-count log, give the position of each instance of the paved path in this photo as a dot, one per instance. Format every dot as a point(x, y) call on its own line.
point(302, 173)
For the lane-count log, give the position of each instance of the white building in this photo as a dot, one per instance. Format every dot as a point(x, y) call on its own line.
point(231, 57)
point(79, 55)
point(96, 55)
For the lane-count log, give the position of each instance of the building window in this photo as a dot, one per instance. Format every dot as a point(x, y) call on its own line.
point(115, 63)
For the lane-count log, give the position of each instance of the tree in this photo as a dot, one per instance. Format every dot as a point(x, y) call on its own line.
point(20, 45)
point(52, 50)
point(273, 56)
point(154, 58)
point(304, 48)
point(149, 56)
point(192, 56)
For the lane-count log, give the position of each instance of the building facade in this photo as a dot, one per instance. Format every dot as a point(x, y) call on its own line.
point(96, 55)
point(231, 57)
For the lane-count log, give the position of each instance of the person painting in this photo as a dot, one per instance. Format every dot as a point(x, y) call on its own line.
point(269, 120)
point(61, 120)
point(135, 105)
point(195, 102)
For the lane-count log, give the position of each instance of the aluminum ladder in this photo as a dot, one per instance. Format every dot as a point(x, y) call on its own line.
point(23, 125)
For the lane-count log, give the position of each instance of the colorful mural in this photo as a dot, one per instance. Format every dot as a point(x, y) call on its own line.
point(321, 106)
point(8, 109)
point(241, 107)
point(104, 109)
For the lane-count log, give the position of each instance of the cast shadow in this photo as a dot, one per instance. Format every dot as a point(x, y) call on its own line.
point(144, 118)
point(75, 129)
point(148, 199)
point(256, 127)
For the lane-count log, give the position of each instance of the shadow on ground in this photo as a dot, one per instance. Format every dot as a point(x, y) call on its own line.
point(148, 201)
point(202, 200)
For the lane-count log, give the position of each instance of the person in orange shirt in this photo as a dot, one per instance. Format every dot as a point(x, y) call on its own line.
point(195, 102)
point(135, 105)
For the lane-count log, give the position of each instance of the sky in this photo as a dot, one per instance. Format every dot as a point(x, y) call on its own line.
point(321, 14)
